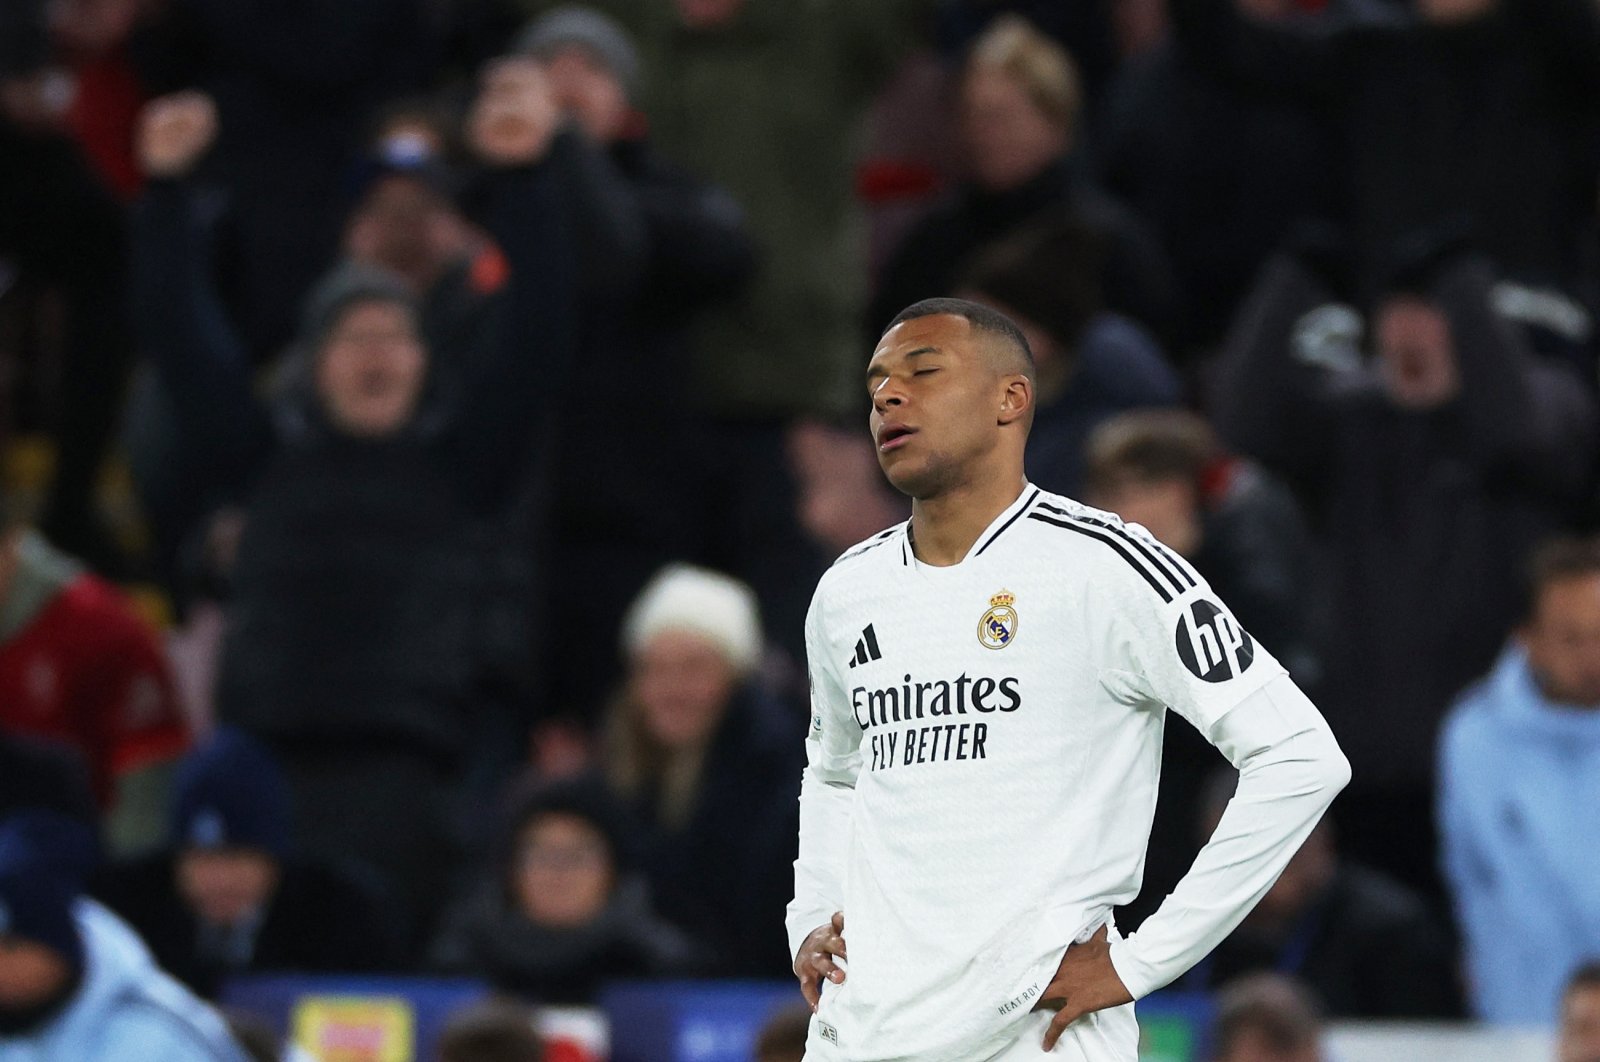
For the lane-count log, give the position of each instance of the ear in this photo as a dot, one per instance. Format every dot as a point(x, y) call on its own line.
point(1016, 401)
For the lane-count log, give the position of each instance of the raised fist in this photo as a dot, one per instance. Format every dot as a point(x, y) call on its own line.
point(174, 131)
point(515, 115)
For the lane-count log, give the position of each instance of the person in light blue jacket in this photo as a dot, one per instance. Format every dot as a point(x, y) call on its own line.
point(76, 984)
point(1519, 799)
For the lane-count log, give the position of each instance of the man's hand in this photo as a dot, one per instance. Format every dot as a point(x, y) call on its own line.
point(174, 131)
point(815, 959)
point(1084, 982)
point(515, 115)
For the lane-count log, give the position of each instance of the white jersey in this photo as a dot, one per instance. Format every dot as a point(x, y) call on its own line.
point(993, 732)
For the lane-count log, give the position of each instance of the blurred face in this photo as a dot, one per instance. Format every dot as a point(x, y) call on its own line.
point(1416, 358)
point(706, 14)
point(563, 871)
point(1445, 12)
point(936, 401)
point(1169, 509)
point(1563, 640)
point(1580, 1025)
point(370, 370)
point(30, 973)
point(681, 683)
point(402, 226)
point(1008, 140)
point(1252, 1045)
point(590, 93)
point(226, 886)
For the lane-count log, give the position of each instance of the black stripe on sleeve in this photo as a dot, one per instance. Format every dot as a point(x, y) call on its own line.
point(1002, 529)
point(1111, 541)
point(1185, 569)
point(1154, 558)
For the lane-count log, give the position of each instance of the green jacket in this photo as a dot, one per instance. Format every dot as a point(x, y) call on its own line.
point(771, 107)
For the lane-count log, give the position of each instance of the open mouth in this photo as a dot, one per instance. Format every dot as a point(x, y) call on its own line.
point(893, 436)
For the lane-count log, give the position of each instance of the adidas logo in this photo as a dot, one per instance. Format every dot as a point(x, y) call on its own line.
point(867, 648)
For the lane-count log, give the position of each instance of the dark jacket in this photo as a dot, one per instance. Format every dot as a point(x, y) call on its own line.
point(1422, 520)
point(484, 937)
point(1486, 125)
point(1368, 948)
point(931, 259)
point(354, 582)
point(318, 921)
point(727, 875)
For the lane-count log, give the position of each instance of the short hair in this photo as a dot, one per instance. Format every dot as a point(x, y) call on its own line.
point(1150, 445)
point(982, 318)
point(1279, 1009)
point(1558, 559)
point(1584, 977)
point(495, 1030)
point(1045, 70)
point(783, 1037)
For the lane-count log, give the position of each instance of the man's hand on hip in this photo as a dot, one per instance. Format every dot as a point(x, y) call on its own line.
point(1084, 982)
point(815, 959)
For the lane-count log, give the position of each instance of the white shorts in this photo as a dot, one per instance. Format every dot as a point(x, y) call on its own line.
point(1104, 1036)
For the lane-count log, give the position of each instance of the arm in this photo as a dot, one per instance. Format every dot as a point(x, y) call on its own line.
point(827, 794)
point(699, 249)
point(1270, 400)
point(528, 206)
point(1290, 769)
point(607, 219)
point(177, 314)
point(1533, 421)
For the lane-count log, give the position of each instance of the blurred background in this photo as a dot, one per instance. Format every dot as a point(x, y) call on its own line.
point(423, 423)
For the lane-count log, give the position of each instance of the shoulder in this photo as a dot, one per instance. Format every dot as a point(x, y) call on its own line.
point(866, 555)
point(175, 1029)
point(1104, 548)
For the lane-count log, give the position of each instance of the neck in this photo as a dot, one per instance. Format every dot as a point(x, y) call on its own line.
point(945, 527)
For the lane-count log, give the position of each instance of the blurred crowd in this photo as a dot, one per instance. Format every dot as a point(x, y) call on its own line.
point(423, 423)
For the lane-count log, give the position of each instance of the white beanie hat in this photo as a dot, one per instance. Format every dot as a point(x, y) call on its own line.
point(717, 607)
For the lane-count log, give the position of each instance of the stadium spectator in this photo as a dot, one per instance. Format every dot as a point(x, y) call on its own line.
point(765, 99)
point(1365, 944)
point(783, 1037)
point(75, 982)
point(1580, 1016)
point(79, 666)
point(297, 87)
point(1092, 363)
point(1019, 113)
point(563, 912)
point(707, 767)
point(228, 896)
point(492, 1031)
point(625, 498)
point(68, 93)
point(1267, 1018)
point(350, 648)
point(1519, 779)
point(1237, 525)
point(1466, 113)
point(1428, 471)
point(1172, 134)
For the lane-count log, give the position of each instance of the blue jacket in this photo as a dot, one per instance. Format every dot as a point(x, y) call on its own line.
point(126, 1009)
point(1519, 801)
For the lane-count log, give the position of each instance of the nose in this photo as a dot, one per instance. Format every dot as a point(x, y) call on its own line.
point(887, 396)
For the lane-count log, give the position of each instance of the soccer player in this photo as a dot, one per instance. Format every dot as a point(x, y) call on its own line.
point(989, 685)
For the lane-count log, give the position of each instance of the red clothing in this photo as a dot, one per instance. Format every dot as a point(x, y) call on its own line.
point(89, 672)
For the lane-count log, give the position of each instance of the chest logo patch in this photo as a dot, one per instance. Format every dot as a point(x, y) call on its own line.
point(998, 627)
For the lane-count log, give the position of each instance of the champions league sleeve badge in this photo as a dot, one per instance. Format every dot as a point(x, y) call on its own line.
point(998, 626)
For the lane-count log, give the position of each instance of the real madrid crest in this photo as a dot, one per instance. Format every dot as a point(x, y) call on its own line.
point(998, 626)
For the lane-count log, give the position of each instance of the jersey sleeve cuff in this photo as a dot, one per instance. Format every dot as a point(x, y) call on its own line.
point(800, 923)
point(1136, 977)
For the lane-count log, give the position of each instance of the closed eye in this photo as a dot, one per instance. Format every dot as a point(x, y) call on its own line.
point(924, 372)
